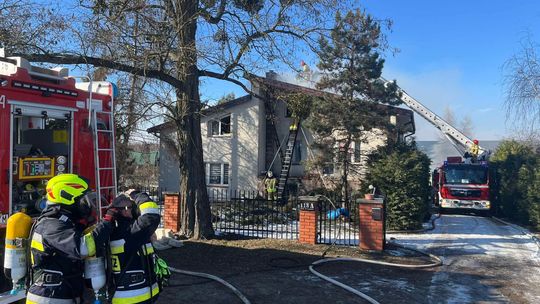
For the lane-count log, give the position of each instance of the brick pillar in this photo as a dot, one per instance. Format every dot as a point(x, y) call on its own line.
point(372, 224)
point(309, 209)
point(172, 211)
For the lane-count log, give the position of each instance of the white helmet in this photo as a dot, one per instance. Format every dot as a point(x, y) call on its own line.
point(269, 174)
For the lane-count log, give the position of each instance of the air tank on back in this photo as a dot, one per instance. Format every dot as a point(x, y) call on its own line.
point(17, 233)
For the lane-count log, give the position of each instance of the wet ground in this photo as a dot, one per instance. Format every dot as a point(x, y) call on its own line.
point(485, 261)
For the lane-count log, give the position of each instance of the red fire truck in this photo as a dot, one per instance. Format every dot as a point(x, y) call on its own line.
point(50, 123)
point(460, 185)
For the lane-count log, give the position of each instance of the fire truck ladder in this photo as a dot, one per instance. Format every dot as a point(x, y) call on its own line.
point(287, 160)
point(460, 141)
point(108, 149)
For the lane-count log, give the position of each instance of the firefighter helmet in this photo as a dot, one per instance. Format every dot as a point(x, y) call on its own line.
point(475, 141)
point(66, 188)
point(269, 174)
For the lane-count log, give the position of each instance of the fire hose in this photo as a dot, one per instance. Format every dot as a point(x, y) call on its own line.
point(212, 277)
point(437, 262)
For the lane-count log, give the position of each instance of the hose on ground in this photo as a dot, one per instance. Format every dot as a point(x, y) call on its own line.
point(212, 277)
point(437, 262)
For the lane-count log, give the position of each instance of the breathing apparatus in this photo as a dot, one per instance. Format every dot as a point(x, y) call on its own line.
point(15, 258)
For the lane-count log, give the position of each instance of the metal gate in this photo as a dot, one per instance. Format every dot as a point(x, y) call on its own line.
point(338, 223)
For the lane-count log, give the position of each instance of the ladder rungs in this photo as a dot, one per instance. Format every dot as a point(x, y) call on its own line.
point(108, 149)
point(104, 131)
point(106, 168)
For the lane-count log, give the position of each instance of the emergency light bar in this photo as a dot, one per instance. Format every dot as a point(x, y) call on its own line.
point(35, 87)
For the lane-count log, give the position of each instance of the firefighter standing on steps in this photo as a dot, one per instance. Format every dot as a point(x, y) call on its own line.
point(58, 244)
point(132, 253)
point(270, 186)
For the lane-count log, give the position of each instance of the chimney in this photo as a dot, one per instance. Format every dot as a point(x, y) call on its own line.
point(271, 75)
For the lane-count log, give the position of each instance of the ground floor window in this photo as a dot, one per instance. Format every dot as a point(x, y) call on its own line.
point(218, 173)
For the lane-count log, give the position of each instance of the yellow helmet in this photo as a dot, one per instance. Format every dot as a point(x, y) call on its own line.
point(65, 188)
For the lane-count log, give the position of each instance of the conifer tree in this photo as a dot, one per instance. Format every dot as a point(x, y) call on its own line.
point(351, 67)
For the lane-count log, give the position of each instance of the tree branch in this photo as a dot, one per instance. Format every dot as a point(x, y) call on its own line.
point(101, 62)
point(214, 19)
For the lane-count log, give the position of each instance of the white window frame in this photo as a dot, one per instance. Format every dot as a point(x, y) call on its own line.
point(222, 176)
point(220, 123)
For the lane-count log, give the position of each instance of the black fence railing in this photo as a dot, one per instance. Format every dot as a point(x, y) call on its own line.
point(338, 222)
point(255, 217)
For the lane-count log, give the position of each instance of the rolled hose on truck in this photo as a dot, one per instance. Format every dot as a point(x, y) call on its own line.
point(438, 262)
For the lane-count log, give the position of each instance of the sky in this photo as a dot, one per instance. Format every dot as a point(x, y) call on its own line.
point(451, 55)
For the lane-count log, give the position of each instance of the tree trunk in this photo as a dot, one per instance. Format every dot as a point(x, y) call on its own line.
point(194, 206)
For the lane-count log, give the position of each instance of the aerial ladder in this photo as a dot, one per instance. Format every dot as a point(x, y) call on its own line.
point(460, 141)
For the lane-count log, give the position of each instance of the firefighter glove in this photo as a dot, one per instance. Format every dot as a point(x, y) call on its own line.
point(111, 214)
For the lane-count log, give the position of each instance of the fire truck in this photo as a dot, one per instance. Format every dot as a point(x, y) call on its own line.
point(52, 123)
point(460, 182)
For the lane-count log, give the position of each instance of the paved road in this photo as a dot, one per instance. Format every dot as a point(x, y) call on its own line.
point(485, 261)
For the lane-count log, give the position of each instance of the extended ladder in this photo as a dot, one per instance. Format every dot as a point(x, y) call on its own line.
point(102, 166)
point(287, 160)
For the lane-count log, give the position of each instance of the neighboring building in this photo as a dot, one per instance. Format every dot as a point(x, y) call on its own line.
point(241, 137)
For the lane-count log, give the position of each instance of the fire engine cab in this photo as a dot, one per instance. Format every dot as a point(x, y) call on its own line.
point(51, 124)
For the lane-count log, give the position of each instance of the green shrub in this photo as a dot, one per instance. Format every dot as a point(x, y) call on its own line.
point(515, 181)
point(402, 176)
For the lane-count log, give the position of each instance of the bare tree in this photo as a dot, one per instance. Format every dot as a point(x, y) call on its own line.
point(522, 84)
point(178, 42)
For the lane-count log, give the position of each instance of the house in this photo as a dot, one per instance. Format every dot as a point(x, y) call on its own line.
point(242, 140)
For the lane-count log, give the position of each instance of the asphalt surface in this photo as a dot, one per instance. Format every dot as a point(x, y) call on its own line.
point(485, 261)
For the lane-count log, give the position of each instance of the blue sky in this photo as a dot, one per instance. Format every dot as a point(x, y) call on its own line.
point(451, 56)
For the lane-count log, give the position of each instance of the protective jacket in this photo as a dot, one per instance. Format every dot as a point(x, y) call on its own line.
point(132, 255)
point(57, 241)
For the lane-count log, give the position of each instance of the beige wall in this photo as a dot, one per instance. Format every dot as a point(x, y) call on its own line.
point(240, 149)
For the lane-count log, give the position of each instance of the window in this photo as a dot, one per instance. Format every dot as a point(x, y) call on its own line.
point(288, 112)
point(328, 169)
point(356, 152)
point(297, 155)
point(218, 174)
point(220, 127)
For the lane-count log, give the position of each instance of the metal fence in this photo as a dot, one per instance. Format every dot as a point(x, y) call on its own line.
point(338, 222)
point(247, 214)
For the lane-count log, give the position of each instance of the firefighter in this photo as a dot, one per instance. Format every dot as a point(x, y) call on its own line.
point(474, 150)
point(270, 186)
point(132, 253)
point(306, 71)
point(58, 244)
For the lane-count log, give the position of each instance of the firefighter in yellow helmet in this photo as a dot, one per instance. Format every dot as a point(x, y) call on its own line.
point(58, 244)
point(475, 149)
point(270, 183)
point(132, 254)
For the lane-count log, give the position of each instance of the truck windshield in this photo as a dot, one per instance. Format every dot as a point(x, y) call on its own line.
point(465, 174)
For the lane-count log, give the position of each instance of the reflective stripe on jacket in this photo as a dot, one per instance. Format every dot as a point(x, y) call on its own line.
point(132, 255)
point(57, 258)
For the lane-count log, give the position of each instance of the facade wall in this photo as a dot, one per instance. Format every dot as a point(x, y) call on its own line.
point(169, 173)
point(243, 150)
point(240, 149)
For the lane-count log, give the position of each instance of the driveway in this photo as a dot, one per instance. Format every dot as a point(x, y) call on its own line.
point(485, 261)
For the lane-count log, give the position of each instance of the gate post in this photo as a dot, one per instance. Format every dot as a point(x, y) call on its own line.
point(309, 210)
point(171, 211)
point(372, 224)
